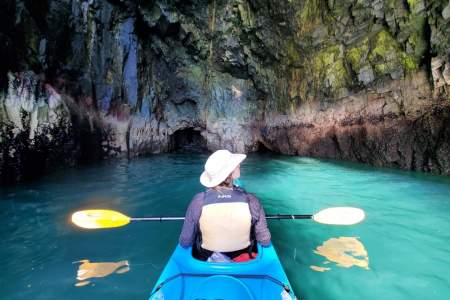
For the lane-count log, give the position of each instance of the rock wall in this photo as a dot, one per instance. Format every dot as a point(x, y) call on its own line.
point(394, 125)
point(366, 81)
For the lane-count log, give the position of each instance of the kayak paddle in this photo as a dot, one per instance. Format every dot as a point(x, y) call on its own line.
point(103, 218)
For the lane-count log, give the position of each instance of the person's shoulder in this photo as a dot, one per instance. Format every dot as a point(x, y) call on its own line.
point(197, 201)
point(198, 197)
point(239, 189)
point(251, 197)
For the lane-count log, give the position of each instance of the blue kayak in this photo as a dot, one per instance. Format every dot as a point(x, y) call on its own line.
point(187, 278)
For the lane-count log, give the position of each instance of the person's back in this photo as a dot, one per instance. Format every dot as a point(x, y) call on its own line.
point(224, 218)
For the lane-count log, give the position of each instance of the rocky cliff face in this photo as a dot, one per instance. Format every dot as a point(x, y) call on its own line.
point(359, 80)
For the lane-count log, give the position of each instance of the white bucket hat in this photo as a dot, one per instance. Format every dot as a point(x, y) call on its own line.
point(219, 165)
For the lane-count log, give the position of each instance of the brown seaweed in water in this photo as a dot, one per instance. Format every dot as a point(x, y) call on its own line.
point(89, 269)
point(346, 252)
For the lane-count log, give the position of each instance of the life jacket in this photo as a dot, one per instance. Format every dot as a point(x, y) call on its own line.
point(225, 222)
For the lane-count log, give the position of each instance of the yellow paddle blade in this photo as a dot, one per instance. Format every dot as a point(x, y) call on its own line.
point(99, 218)
point(339, 216)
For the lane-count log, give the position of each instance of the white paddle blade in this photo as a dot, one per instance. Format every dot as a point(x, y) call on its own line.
point(339, 216)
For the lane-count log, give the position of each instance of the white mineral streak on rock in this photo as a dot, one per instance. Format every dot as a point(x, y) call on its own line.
point(446, 11)
point(119, 129)
point(33, 123)
point(436, 64)
point(25, 96)
point(13, 103)
point(55, 99)
point(85, 12)
point(446, 73)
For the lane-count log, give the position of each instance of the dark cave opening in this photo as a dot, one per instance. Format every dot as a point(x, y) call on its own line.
point(187, 140)
point(263, 149)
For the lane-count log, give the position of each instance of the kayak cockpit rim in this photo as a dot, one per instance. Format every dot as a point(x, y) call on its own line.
point(238, 276)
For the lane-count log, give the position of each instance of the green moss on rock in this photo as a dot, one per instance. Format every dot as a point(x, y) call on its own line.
point(291, 51)
point(357, 55)
point(245, 13)
point(412, 3)
point(409, 62)
point(387, 57)
point(329, 71)
point(417, 39)
point(310, 16)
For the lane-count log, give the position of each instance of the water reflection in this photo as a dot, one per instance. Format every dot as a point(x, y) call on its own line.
point(320, 269)
point(89, 269)
point(346, 252)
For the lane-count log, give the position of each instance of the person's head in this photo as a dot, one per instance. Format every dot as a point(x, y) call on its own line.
point(221, 168)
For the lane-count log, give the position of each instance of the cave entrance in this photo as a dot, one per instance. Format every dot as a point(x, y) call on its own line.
point(187, 140)
point(262, 148)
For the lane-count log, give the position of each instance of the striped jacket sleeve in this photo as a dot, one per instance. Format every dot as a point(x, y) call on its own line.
point(190, 225)
point(262, 233)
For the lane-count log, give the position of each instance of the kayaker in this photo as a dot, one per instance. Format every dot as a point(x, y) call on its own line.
point(224, 218)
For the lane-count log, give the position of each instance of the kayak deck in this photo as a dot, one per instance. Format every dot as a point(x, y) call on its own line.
point(185, 277)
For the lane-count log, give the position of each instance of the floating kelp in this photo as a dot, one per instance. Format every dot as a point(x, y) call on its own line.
point(89, 269)
point(346, 252)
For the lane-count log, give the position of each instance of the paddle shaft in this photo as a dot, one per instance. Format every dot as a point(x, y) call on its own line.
point(285, 217)
point(269, 217)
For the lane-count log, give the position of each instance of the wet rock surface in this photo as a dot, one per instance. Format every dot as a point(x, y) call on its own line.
point(395, 127)
point(83, 80)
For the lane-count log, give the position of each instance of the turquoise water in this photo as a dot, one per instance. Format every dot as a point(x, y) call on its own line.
point(406, 233)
